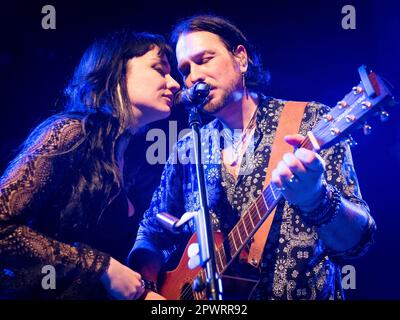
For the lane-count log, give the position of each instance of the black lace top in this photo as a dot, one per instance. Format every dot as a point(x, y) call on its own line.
point(34, 192)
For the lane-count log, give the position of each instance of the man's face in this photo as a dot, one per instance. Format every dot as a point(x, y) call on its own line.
point(202, 56)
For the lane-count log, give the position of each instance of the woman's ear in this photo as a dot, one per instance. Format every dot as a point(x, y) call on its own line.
point(240, 54)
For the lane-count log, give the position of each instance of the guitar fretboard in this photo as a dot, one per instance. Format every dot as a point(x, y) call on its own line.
point(250, 221)
point(244, 229)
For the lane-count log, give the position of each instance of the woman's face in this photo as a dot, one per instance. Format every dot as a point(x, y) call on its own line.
point(150, 87)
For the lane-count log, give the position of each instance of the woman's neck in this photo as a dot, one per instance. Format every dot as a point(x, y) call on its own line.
point(121, 146)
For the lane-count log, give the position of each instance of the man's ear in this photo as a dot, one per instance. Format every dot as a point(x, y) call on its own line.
point(240, 54)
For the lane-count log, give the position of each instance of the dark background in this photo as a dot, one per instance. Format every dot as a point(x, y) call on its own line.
point(302, 43)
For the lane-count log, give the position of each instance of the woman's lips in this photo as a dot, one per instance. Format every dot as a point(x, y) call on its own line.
point(170, 100)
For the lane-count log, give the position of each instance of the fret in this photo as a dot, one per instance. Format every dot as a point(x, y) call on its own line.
point(272, 190)
point(241, 229)
point(232, 240)
point(222, 257)
point(258, 211)
point(238, 232)
point(265, 202)
point(221, 264)
point(250, 214)
point(244, 224)
point(307, 144)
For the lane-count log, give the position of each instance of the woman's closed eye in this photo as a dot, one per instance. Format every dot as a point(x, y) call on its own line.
point(160, 70)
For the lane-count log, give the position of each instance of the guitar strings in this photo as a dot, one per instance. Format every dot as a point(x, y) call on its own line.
point(249, 222)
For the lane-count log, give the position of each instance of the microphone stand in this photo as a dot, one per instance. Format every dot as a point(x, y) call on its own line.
point(205, 235)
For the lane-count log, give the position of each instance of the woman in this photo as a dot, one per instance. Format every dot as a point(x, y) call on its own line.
point(63, 209)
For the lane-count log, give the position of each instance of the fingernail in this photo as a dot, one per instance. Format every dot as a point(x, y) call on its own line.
point(301, 152)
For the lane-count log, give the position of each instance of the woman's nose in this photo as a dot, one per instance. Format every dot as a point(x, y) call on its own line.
point(172, 84)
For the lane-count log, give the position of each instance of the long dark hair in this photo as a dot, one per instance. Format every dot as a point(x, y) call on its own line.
point(97, 94)
point(256, 77)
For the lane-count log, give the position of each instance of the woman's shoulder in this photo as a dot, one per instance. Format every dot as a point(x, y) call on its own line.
point(54, 136)
point(68, 131)
point(57, 134)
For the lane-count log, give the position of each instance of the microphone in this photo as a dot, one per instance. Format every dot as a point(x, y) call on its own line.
point(195, 95)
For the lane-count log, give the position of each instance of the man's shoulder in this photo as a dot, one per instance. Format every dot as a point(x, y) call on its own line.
point(311, 106)
point(312, 109)
point(317, 107)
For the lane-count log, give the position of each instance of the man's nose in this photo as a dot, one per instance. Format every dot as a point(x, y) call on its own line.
point(195, 75)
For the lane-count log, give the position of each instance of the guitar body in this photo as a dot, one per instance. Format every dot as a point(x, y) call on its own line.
point(178, 283)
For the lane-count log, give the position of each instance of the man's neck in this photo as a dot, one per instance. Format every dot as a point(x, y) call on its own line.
point(237, 114)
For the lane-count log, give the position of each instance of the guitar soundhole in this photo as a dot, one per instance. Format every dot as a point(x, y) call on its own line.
point(187, 292)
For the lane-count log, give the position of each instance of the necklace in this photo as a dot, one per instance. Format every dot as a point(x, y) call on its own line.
point(237, 139)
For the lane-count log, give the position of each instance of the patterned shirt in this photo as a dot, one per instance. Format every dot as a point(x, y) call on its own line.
point(296, 264)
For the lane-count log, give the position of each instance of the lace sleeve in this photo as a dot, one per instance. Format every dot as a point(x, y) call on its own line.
point(24, 251)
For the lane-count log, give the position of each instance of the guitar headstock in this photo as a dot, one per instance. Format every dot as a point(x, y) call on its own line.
point(365, 100)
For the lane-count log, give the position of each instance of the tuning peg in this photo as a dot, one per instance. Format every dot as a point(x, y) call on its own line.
point(335, 131)
point(384, 116)
point(342, 104)
point(366, 105)
point(357, 90)
point(367, 129)
point(351, 142)
point(327, 117)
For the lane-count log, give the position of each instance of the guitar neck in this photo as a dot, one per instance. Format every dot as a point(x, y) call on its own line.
point(353, 109)
point(250, 222)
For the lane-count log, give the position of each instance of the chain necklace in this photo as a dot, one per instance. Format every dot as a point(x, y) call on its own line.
point(238, 141)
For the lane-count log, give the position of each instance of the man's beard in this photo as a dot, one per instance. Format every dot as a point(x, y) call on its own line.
point(226, 98)
point(215, 107)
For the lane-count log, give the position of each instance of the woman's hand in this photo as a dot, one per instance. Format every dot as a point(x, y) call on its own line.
point(121, 282)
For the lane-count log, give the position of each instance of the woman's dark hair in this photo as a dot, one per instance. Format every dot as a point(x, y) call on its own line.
point(256, 77)
point(99, 84)
point(97, 94)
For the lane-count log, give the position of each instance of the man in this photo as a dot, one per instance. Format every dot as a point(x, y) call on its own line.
point(323, 220)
